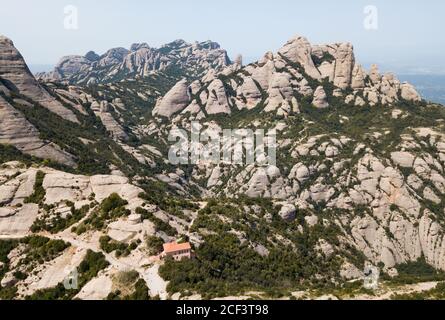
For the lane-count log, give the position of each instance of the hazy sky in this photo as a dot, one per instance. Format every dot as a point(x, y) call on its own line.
point(409, 36)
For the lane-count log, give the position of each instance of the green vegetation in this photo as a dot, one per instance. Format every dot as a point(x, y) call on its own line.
point(122, 249)
point(5, 248)
point(41, 249)
point(112, 205)
point(227, 265)
point(110, 209)
point(158, 194)
point(55, 224)
point(39, 192)
point(140, 293)
point(416, 272)
point(438, 293)
point(155, 245)
point(160, 225)
point(35, 251)
point(10, 153)
point(127, 280)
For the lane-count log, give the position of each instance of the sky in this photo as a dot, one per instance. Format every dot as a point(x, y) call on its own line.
point(406, 37)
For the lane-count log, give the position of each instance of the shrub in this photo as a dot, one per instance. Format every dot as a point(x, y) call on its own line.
point(122, 249)
point(113, 202)
point(155, 245)
point(39, 192)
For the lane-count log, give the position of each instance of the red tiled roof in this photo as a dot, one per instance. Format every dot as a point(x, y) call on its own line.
point(174, 247)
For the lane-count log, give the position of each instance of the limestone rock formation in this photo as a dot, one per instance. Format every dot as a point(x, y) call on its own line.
point(217, 101)
point(344, 65)
point(299, 50)
point(15, 75)
point(320, 98)
point(288, 212)
point(141, 60)
point(174, 101)
point(358, 77)
point(351, 184)
point(277, 81)
point(17, 131)
point(408, 92)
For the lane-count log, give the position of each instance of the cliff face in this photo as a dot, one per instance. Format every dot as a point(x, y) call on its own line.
point(15, 129)
point(15, 75)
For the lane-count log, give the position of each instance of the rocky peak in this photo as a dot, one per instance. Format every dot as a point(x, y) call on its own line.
point(137, 46)
point(113, 56)
point(298, 69)
point(344, 64)
point(208, 45)
point(299, 50)
point(374, 74)
point(179, 43)
point(141, 60)
point(92, 56)
point(6, 41)
point(17, 77)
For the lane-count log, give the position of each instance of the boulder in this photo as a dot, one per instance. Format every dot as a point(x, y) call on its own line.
point(217, 101)
point(311, 220)
point(300, 172)
point(409, 93)
point(288, 212)
point(403, 159)
point(174, 101)
point(350, 272)
point(280, 91)
point(97, 289)
point(9, 280)
point(320, 98)
point(325, 247)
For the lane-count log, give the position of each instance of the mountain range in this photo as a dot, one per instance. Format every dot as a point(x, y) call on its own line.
point(139, 61)
point(86, 182)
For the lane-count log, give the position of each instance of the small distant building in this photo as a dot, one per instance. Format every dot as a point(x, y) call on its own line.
point(177, 251)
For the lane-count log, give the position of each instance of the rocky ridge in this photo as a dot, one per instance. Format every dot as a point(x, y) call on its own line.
point(140, 61)
point(16, 77)
point(279, 81)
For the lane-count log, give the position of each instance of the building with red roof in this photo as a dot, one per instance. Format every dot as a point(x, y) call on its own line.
point(177, 251)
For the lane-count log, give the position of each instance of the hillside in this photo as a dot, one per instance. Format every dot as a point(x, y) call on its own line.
point(359, 177)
